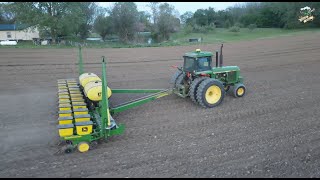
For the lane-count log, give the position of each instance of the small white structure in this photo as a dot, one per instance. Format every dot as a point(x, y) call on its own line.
point(14, 32)
point(44, 42)
point(94, 39)
point(8, 43)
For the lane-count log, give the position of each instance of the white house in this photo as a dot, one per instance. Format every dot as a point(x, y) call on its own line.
point(14, 32)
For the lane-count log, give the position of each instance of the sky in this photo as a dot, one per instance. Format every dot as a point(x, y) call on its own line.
point(182, 7)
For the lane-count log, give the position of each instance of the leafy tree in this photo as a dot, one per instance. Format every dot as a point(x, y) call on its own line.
point(103, 26)
point(200, 17)
point(144, 21)
point(125, 17)
point(211, 15)
point(186, 17)
point(56, 17)
point(154, 10)
point(89, 10)
point(6, 14)
point(167, 22)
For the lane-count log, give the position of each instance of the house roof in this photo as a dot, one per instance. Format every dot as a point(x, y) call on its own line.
point(12, 27)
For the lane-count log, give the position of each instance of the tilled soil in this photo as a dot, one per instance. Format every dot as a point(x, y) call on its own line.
point(273, 131)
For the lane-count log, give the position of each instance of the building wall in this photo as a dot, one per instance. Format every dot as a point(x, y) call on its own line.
point(26, 34)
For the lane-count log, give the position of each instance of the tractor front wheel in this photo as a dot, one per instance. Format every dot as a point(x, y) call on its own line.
point(239, 90)
point(210, 93)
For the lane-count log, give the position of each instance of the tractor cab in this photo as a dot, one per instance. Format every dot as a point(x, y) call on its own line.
point(197, 61)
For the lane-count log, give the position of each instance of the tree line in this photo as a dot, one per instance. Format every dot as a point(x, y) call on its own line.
point(79, 19)
point(262, 14)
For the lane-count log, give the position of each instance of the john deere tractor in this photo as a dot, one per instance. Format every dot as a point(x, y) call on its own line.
point(205, 83)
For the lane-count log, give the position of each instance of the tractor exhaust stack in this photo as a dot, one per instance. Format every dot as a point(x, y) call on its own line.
point(221, 56)
point(217, 60)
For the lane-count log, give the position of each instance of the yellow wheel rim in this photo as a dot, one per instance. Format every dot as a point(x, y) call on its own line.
point(240, 91)
point(213, 94)
point(83, 147)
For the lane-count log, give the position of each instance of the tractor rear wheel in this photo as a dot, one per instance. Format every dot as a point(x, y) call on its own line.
point(175, 77)
point(210, 93)
point(179, 80)
point(193, 88)
point(238, 90)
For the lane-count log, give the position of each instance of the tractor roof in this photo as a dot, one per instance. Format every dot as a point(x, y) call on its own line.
point(198, 53)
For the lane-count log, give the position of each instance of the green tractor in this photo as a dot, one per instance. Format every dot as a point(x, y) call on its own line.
point(205, 83)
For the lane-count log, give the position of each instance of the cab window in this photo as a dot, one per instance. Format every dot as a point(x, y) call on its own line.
point(204, 63)
point(189, 63)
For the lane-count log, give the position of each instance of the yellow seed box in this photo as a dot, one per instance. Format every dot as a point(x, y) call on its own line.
point(65, 120)
point(79, 106)
point(84, 128)
point(82, 117)
point(65, 130)
point(64, 107)
point(64, 97)
point(80, 111)
point(62, 87)
point(65, 113)
point(63, 93)
point(63, 101)
point(77, 98)
point(77, 101)
point(74, 88)
point(75, 92)
point(76, 95)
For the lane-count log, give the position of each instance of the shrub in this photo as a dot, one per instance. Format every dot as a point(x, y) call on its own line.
point(199, 29)
point(251, 27)
point(188, 29)
point(234, 29)
point(203, 29)
point(227, 24)
point(210, 27)
point(238, 24)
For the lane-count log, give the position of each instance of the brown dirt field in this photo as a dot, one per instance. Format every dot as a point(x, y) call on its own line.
point(274, 131)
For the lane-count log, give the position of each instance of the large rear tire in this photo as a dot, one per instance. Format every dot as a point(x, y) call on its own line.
point(210, 93)
point(193, 88)
point(179, 80)
point(175, 77)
